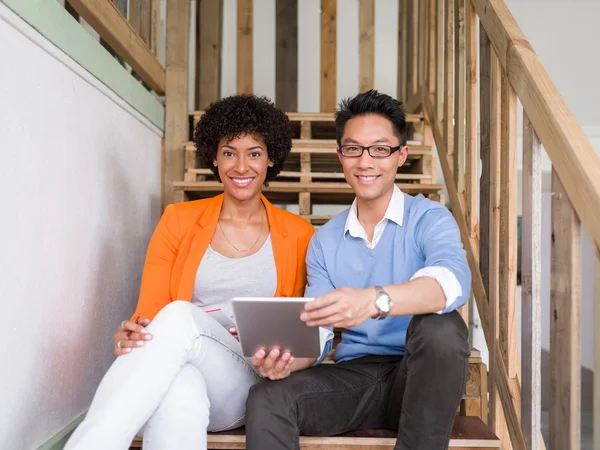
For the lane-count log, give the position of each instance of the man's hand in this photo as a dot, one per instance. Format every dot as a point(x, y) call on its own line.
point(275, 366)
point(342, 308)
point(131, 335)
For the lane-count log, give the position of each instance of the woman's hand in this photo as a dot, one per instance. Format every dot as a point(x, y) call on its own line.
point(131, 335)
point(275, 366)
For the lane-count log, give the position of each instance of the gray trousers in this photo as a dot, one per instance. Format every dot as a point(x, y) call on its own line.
point(417, 394)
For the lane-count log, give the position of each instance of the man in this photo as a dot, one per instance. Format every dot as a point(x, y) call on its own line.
point(392, 271)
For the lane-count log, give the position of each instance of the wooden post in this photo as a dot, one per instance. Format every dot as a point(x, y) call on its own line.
point(155, 27)
point(531, 275)
point(245, 84)
point(459, 94)
point(328, 55)
point(286, 55)
point(565, 299)
point(449, 82)
point(304, 203)
point(439, 58)
point(597, 351)
point(208, 52)
point(484, 151)
point(140, 17)
point(496, 412)
point(471, 172)
point(176, 121)
point(508, 227)
point(402, 50)
point(366, 45)
point(422, 18)
point(431, 50)
point(413, 50)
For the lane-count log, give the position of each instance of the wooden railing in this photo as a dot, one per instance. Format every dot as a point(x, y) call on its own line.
point(448, 76)
point(136, 40)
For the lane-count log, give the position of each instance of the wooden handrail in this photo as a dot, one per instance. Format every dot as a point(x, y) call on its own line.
point(104, 17)
point(571, 153)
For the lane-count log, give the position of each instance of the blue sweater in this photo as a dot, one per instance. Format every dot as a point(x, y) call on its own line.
point(429, 236)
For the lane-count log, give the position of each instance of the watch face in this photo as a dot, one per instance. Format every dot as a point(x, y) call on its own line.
point(384, 303)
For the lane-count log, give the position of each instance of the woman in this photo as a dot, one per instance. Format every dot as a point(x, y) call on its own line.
point(179, 372)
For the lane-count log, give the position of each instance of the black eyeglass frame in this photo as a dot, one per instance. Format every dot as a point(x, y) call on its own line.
point(368, 149)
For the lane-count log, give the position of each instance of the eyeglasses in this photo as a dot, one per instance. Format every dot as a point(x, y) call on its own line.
point(375, 151)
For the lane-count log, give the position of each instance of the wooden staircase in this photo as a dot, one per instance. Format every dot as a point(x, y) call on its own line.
point(312, 175)
point(468, 433)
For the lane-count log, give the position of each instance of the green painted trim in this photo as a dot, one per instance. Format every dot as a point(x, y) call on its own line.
point(53, 22)
point(59, 440)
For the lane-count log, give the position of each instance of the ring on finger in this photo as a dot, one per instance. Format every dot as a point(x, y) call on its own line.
point(119, 344)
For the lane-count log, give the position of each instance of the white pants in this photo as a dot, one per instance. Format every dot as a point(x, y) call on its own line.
point(190, 367)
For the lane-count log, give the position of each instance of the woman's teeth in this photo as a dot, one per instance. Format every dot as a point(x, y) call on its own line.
point(242, 182)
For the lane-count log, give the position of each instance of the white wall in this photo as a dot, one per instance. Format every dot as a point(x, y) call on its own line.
point(80, 177)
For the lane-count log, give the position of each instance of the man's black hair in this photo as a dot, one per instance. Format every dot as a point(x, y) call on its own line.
point(371, 102)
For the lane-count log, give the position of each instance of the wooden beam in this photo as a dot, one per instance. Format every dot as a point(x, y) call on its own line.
point(596, 425)
point(565, 300)
point(431, 49)
point(209, 20)
point(366, 45)
point(413, 48)
point(328, 55)
point(139, 18)
point(439, 58)
point(510, 393)
point(531, 285)
point(449, 81)
point(245, 84)
point(155, 27)
point(508, 227)
point(459, 94)
point(472, 169)
point(176, 120)
point(402, 50)
point(568, 148)
point(422, 49)
point(107, 21)
point(496, 419)
point(484, 151)
point(286, 54)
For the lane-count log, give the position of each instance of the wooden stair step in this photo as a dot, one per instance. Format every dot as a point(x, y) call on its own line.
point(328, 147)
point(319, 175)
point(317, 117)
point(468, 433)
point(286, 192)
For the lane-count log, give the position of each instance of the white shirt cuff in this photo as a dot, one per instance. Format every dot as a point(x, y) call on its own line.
point(446, 279)
point(325, 335)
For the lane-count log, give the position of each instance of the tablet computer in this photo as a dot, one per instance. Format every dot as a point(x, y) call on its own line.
point(274, 322)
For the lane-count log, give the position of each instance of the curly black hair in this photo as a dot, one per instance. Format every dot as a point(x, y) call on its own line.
point(237, 116)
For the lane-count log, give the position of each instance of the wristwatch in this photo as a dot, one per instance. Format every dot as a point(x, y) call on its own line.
point(383, 302)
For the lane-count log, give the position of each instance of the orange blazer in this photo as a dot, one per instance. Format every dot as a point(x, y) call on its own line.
point(182, 237)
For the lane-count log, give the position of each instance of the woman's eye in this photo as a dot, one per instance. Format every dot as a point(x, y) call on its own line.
point(227, 153)
point(255, 154)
